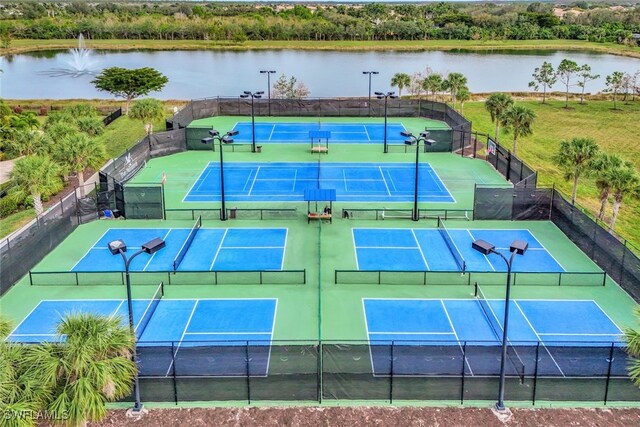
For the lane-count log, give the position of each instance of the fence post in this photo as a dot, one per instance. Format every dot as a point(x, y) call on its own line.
point(462, 371)
point(173, 372)
point(391, 376)
point(535, 374)
point(624, 253)
point(606, 388)
point(319, 374)
point(246, 355)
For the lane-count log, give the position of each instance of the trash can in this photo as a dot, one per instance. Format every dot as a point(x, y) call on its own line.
point(232, 213)
point(258, 148)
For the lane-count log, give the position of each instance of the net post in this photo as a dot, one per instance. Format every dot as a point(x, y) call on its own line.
point(30, 278)
point(515, 275)
point(604, 278)
point(608, 381)
point(77, 279)
point(560, 278)
point(304, 276)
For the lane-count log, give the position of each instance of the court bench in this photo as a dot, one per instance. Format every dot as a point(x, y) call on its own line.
point(318, 216)
point(319, 149)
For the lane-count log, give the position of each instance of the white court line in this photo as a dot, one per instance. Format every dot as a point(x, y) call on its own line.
point(116, 312)
point(204, 179)
point(355, 248)
point(226, 230)
point(395, 189)
point(253, 247)
point(255, 178)
point(366, 327)
point(284, 248)
point(413, 333)
point(28, 315)
point(89, 250)
point(228, 333)
point(273, 128)
point(154, 254)
point(424, 259)
point(366, 132)
point(578, 335)
point(295, 178)
point(538, 335)
point(456, 335)
point(344, 179)
point(605, 313)
point(273, 328)
point(473, 239)
point(196, 181)
point(193, 310)
point(439, 179)
point(246, 182)
point(384, 180)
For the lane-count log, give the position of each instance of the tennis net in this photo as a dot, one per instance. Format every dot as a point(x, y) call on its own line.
point(451, 245)
point(187, 243)
point(150, 309)
point(492, 318)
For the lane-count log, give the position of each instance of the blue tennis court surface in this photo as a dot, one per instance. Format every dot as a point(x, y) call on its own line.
point(212, 249)
point(432, 335)
point(177, 331)
point(287, 181)
point(341, 133)
point(420, 249)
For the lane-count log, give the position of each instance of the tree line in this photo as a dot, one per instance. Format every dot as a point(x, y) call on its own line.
point(373, 21)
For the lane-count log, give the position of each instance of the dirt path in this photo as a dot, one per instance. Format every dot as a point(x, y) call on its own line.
point(374, 416)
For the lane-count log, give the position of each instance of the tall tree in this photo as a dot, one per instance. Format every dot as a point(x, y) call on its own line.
point(544, 76)
point(496, 104)
point(574, 157)
point(463, 96)
point(77, 152)
point(400, 80)
point(625, 182)
point(147, 110)
point(130, 83)
point(289, 88)
point(614, 83)
point(585, 77)
point(566, 72)
point(433, 83)
point(518, 119)
point(603, 165)
point(36, 177)
point(92, 366)
point(453, 83)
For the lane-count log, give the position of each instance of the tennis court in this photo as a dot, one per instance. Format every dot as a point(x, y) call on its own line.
point(446, 249)
point(176, 329)
point(287, 181)
point(430, 336)
point(191, 249)
point(341, 133)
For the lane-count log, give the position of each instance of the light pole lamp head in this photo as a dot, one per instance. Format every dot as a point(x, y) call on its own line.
point(247, 92)
point(379, 94)
point(410, 141)
point(244, 95)
point(214, 132)
point(483, 247)
point(424, 133)
point(406, 134)
point(232, 132)
point(390, 93)
point(153, 246)
point(227, 139)
point(519, 247)
point(260, 92)
point(429, 142)
point(207, 140)
point(117, 246)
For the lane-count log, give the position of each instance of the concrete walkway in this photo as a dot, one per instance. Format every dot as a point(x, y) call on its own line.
point(5, 170)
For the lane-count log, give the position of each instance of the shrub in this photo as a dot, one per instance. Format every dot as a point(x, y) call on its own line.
point(92, 126)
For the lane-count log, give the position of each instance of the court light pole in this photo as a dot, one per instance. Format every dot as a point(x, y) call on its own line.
point(411, 140)
point(518, 247)
point(370, 73)
point(252, 95)
point(227, 138)
point(385, 96)
point(268, 73)
point(119, 247)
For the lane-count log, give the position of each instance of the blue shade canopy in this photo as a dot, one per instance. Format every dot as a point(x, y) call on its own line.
point(320, 195)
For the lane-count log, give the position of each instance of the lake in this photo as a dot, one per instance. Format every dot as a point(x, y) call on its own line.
point(205, 73)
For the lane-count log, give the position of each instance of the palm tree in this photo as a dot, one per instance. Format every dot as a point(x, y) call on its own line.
point(401, 80)
point(463, 96)
point(35, 177)
point(92, 366)
point(602, 167)
point(625, 181)
point(453, 83)
point(519, 119)
point(147, 110)
point(433, 83)
point(575, 158)
point(78, 152)
point(632, 338)
point(496, 105)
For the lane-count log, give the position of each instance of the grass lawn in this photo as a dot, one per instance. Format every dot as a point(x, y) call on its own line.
point(14, 221)
point(18, 46)
point(615, 131)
